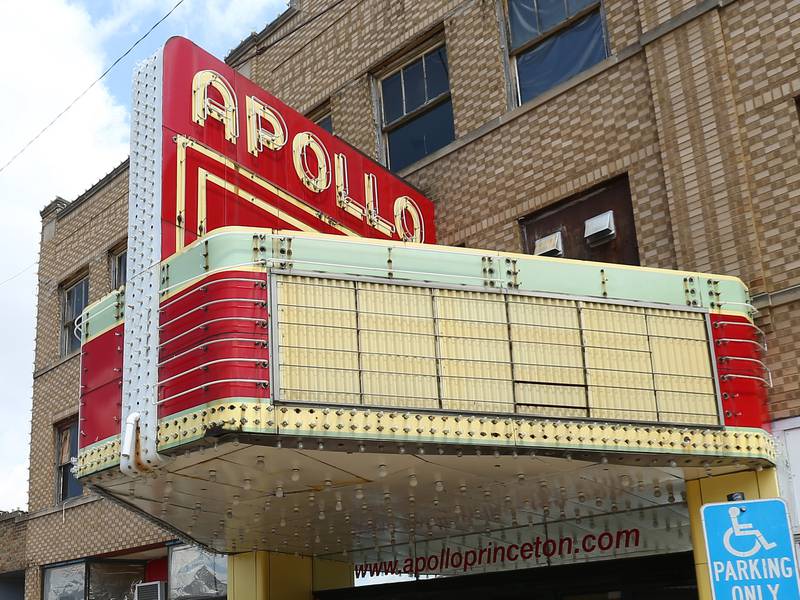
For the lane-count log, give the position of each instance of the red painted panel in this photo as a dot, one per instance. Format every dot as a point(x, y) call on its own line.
point(214, 342)
point(101, 387)
point(156, 570)
point(742, 375)
point(182, 60)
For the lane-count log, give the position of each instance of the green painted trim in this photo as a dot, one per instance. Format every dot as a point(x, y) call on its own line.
point(411, 264)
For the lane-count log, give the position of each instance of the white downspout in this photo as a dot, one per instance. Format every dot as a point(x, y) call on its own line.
point(130, 436)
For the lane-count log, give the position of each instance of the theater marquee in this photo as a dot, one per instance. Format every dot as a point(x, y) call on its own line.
point(210, 149)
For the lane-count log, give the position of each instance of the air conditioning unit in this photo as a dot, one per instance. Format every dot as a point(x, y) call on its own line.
point(600, 229)
point(152, 590)
point(549, 245)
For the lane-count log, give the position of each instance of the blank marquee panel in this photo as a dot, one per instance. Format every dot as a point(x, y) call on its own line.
point(398, 346)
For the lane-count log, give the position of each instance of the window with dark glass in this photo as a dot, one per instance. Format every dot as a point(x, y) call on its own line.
point(119, 267)
point(66, 450)
point(417, 109)
point(326, 123)
point(74, 300)
point(597, 225)
point(554, 40)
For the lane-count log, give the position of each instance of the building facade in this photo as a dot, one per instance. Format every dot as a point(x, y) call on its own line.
point(521, 120)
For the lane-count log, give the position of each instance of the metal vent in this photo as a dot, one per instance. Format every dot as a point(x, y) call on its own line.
point(600, 229)
point(150, 591)
point(549, 245)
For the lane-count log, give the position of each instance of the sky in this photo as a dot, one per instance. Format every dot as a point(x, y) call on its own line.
point(51, 51)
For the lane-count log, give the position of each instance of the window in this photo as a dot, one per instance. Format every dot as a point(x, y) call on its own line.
point(114, 580)
point(195, 574)
point(326, 123)
point(417, 109)
point(93, 580)
point(321, 115)
point(119, 268)
point(66, 450)
point(594, 225)
point(67, 582)
point(74, 300)
point(554, 40)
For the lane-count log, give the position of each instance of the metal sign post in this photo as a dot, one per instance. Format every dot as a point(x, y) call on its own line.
point(751, 554)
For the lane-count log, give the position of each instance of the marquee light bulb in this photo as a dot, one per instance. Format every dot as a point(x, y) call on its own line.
point(212, 476)
point(383, 471)
point(412, 480)
point(260, 462)
point(279, 492)
point(295, 475)
point(439, 486)
point(247, 484)
point(338, 505)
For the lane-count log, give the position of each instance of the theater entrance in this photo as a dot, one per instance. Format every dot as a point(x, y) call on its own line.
point(661, 577)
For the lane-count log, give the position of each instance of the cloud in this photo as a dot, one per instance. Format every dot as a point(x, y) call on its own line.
point(55, 55)
point(215, 24)
point(53, 50)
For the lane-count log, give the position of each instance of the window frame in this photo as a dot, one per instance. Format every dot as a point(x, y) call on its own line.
point(321, 112)
point(515, 52)
point(396, 66)
point(64, 290)
point(58, 428)
point(114, 255)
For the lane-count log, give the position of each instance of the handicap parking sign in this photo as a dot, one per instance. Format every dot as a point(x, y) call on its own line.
point(751, 554)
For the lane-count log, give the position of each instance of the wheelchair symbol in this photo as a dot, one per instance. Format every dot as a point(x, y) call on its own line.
point(740, 530)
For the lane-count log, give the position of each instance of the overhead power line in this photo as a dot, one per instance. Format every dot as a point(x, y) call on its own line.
point(94, 83)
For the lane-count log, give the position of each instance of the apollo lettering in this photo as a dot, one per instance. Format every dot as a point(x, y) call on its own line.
point(267, 131)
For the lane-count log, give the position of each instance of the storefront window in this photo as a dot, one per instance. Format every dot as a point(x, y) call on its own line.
point(107, 580)
point(194, 573)
point(67, 582)
point(114, 580)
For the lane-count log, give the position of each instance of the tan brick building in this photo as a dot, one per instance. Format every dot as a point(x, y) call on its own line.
point(692, 103)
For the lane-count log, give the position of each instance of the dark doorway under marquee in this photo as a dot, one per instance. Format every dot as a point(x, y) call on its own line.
point(665, 577)
point(12, 585)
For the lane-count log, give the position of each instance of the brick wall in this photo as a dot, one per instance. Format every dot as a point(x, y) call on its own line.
point(76, 241)
point(702, 118)
point(699, 110)
point(13, 537)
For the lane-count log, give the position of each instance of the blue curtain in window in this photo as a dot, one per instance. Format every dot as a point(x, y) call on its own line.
point(421, 136)
point(561, 57)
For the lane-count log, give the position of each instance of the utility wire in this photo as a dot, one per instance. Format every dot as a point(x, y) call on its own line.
point(84, 92)
point(20, 273)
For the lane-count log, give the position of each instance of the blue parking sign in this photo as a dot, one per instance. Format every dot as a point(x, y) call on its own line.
point(751, 554)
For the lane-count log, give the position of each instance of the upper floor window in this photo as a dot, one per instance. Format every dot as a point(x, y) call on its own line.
point(417, 108)
point(119, 268)
point(321, 115)
point(554, 40)
point(66, 450)
point(326, 123)
point(597, 224)
point(74, 300)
